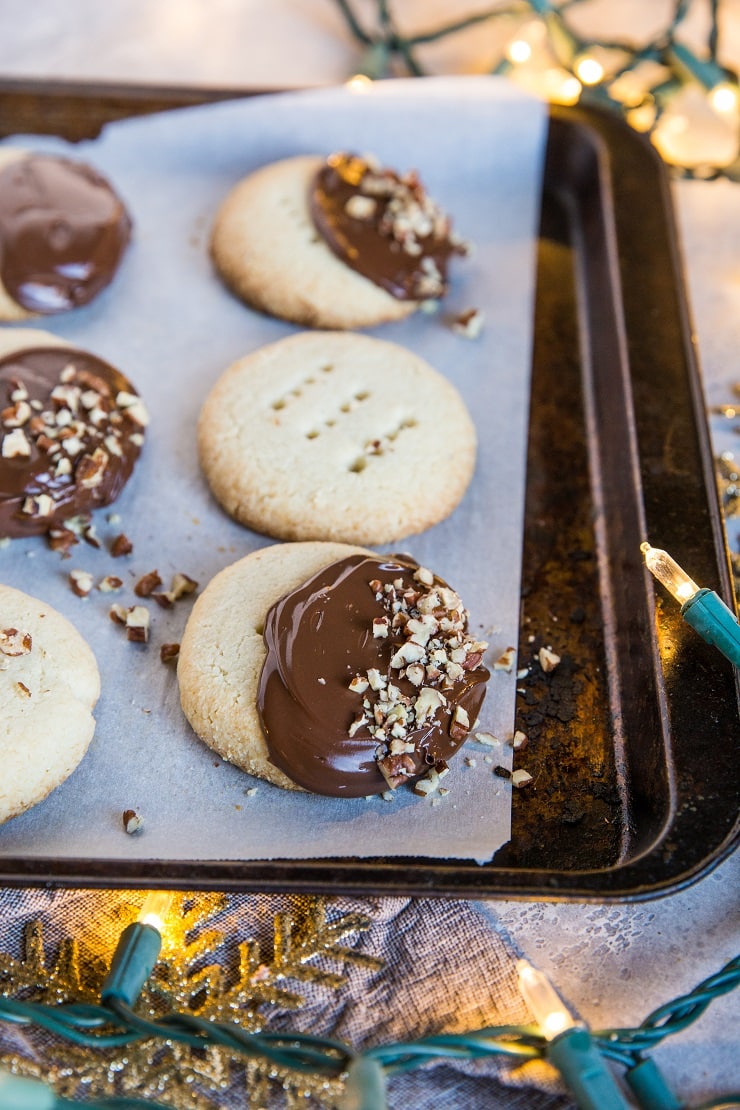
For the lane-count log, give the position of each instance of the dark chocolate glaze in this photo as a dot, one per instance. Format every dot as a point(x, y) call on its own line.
point(374, 246)
point(102, 424)
point(318, 637)
point(63, 231)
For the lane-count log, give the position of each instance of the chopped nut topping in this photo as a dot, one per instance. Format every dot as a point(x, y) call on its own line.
point(147, 584)
point(13, 642)
point(505, 661)
point(121, 546)
point(110, 584)
point(132, 821)
point(182, 586)
point(548, 659)
point(169, 652)
point(90, 469)
point(521, 779)
point(469, 324)
point(487, 738)
point(137, 624)
point(16, 445)
point(433, 656)
point(41, 505)
point(360, 207)
point(519, 741)
point(23, 689)
point(81, 582)
point(61, 539)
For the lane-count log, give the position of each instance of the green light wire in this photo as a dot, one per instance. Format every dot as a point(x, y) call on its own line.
point(382, 42)
point(116, 1024)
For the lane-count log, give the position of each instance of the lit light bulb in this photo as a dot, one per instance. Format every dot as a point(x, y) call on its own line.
point(154, 909)
point(665, 568)
point(589, 70)
point(725, 98)
point(560, 86)
point(548, 1008)
point(518, 51)
point(360, 83)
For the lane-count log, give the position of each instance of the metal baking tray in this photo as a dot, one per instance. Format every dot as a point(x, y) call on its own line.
point(634, 738)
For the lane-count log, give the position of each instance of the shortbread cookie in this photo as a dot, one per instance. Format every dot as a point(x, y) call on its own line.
point(333, 243)
point(222, 650)
point(333, 669)
point(332, 436)
point(49, 684)
point(63, 233)
point(71, 430)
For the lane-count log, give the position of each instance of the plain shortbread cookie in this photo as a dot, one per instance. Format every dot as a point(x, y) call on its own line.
point(335, 436)
point(268, 251)
point(222, 650)
point(47, 697)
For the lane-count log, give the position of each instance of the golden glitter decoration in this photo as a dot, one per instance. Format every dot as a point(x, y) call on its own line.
point(198, 972)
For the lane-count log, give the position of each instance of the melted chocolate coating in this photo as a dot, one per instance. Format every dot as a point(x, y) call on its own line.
point(318, 638)
point(63, 231)
point(88, 393)
point(376, 244)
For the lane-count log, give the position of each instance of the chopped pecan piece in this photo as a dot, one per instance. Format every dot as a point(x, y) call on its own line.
point(137, 624)
point(110, 584)
point(396, 769)
point(81, 582)
point(121, 545)
point(169, 652)
point(132, 821)
point(147, 584)
point(14, 642)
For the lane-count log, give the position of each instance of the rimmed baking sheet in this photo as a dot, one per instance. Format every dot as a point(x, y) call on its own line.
point(172, 327)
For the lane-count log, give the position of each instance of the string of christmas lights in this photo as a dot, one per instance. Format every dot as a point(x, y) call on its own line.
point(685, 99)
point(582, 1057)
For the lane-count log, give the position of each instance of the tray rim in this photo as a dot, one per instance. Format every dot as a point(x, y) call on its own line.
point(487, 881)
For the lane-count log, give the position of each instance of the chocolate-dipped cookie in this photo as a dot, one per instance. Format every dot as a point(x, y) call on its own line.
point(71, 430)
point(333, 243)
point(63, 233)
point(328, 668)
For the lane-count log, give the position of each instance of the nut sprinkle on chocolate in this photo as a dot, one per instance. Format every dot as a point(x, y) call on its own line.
point(403, 679)
point(385, 226)
point(71, 431)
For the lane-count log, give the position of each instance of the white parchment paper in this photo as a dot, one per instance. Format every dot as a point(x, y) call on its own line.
point(169, 324)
